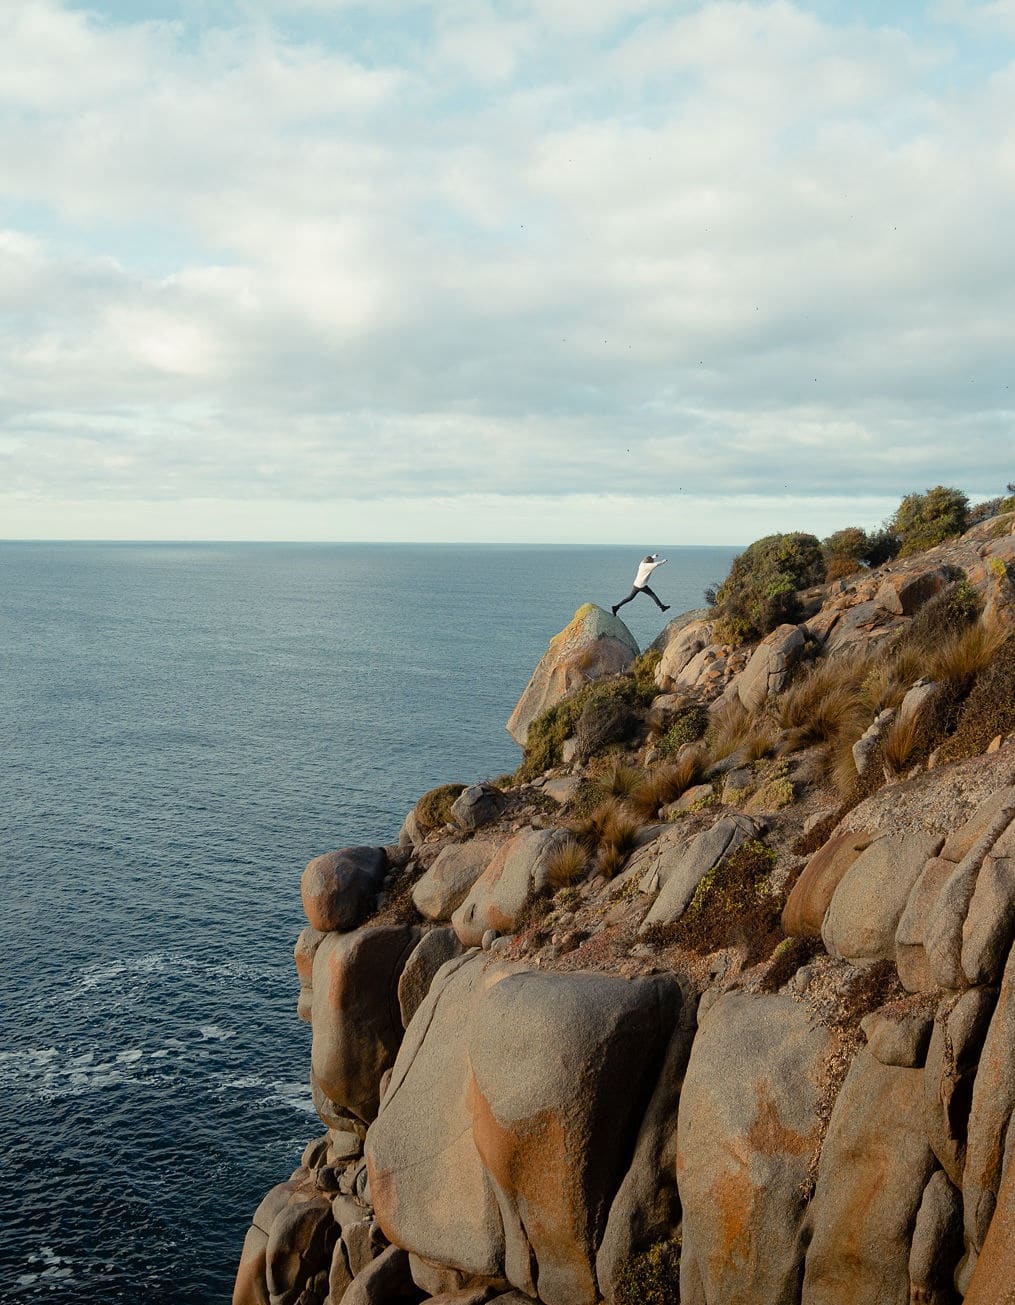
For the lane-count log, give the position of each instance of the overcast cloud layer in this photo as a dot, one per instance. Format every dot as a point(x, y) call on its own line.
point(589, 269)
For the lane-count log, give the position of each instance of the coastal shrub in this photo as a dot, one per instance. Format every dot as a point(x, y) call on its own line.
point(651, 1277)
point(923, 520)
point(989, 710)
point(733, 905)
point(845, 552)
point(760, 591)
point(775, 791)
point(601, 712)
point(434, 808)
point(643, 668)
point(688, 727)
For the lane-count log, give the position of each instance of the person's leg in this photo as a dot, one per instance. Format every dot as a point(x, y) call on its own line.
point(658, 602)
point(633, 594)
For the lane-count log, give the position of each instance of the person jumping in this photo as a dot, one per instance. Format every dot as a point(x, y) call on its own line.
point(645, 569)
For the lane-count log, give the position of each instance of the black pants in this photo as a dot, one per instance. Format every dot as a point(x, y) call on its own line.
point(635, 591)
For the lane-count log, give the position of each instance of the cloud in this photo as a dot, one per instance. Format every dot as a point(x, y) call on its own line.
point(524, 250)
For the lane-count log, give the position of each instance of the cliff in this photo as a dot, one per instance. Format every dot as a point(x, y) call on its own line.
point(713, 1002)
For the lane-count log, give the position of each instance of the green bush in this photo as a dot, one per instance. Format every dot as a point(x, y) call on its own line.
point(651, 1277)
point(760, 591)
point(599, 713)
point(434, 808)
point(689, 727)
point(923, 520)
point(643, 668)
point(852, 548)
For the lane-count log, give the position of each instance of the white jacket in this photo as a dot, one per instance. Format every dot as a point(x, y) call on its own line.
point(646, 569)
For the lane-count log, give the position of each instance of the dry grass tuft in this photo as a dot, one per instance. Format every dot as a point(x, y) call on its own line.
point(890, 675)
point(729, 728)
point(760, 741)
point(566, 863)
point(619, 780)
point(990, 708)
point(962, 656)
point(824, 702)
point(668, 782)
point(842, 770)
point(900, 743)
point(608, 835)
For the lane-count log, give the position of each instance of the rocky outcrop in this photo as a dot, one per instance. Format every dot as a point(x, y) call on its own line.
point(753, 1046)
point(594, 644)
point(498, 898)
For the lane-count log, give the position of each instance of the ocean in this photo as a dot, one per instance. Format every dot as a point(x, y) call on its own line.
point(184, 726)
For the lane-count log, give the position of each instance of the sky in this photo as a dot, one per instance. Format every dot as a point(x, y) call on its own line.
point(616, 271)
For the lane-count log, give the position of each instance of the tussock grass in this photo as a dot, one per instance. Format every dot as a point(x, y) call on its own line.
point(826, 701)
point(619, 780)
point(900, 743)
point(990, 708)
point(957, 661)
point(890, 675)
point(566, 863)
point(668, 782)
point(760, 742)
point(608, 835)
point(729, 728)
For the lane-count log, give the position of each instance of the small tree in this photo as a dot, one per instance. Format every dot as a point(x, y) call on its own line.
point(847, 550)
point(844, 552)
point(923, 520)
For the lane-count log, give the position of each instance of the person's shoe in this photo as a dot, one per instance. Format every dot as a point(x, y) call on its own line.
point(613, 610)
point(666, 607)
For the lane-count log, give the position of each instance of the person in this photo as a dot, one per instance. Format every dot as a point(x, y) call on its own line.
point(647, 566)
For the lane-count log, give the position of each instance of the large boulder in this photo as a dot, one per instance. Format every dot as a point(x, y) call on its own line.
point(904, 593)
point(498, 898)
point(477, 805)
point(747, 1130)
point(993, 1105)
point(865, 909)
point(804, 912)
point(433, 951)
point(646, 1209)
point(445, 886)
point(684, 644)
point(875, 1165)
point(339, 889)
point(593, 644)
point(355, 1017)
point(771, 665)
point(510, 1116)
point(959, 1028)
point(993, 1280)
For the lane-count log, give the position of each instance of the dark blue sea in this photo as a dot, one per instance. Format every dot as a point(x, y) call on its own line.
point(183, 726)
